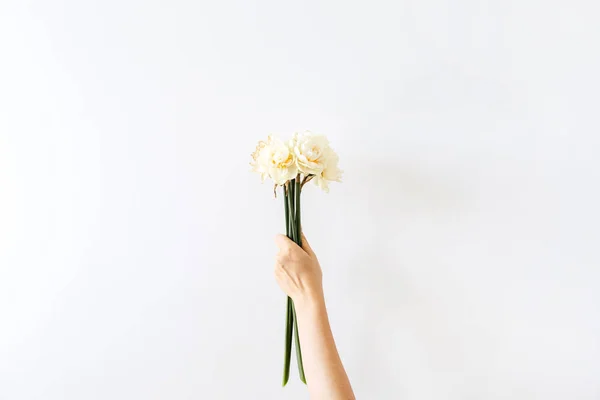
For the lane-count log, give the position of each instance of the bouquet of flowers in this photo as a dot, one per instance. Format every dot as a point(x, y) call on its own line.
point(291, 165)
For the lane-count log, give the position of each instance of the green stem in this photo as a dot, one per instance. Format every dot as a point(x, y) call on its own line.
point(298, 348)
point(298, 240)
point(286, 205)
point(289, 316)
point(293, 230)
point(297, 191)
point(292, 210)
point(289, 327)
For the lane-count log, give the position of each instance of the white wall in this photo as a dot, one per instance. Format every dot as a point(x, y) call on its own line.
point(460, 254)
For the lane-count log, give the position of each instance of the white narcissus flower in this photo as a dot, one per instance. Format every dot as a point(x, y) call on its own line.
point(258, 165)
point(331, 172)
point(310, 151)
point(274, 159)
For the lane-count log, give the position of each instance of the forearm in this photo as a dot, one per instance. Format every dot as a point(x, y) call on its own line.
point(325, 374)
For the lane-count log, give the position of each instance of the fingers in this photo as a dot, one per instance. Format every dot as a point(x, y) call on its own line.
point(279, 274)
point(286, 245)
point(306, 246)
point(278, 268)
point(283, 242)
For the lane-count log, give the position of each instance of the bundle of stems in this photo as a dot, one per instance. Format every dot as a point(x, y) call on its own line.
point(293, 231)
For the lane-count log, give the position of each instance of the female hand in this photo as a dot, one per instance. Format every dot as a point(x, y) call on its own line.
point(298, 273)
point(297, 270)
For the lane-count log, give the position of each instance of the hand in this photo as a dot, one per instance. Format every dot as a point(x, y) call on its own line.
point(298, 273)
point(297, 270)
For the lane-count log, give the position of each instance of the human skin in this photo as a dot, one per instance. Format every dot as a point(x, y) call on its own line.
point(299, 275)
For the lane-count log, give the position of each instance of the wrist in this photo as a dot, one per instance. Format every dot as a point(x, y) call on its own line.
point(311, 300)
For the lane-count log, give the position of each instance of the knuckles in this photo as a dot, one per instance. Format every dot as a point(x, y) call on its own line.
point(285, 254)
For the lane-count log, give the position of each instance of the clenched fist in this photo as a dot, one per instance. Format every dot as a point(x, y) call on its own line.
point(297, 270)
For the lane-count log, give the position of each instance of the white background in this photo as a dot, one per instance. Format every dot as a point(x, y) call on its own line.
point(460, 253)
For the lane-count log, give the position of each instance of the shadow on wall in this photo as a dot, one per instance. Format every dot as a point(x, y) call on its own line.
point(398, 205)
